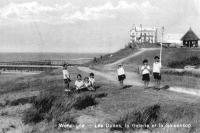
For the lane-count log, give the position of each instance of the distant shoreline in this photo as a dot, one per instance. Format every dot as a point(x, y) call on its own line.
point(70, 58)
point(21, 72)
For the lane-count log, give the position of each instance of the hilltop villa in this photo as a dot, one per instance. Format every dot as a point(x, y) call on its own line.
point(190, 39)
point(143, 34)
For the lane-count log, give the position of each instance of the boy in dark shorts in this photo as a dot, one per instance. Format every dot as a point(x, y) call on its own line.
point(121, 75)
point(66, 77)
point(156, 71)
point(145, 69)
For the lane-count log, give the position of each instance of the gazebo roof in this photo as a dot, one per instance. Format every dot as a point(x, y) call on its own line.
point(190, 35)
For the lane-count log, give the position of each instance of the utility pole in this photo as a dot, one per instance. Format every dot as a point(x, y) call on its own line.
point(141, 33)
point(161, 44)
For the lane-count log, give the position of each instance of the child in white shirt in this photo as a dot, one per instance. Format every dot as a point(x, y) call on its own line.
point(121, 75)
point(92, 79)
point(88, 84)
point(66, 77)
point(79, 84)
point(156, 71)
point(145, 69)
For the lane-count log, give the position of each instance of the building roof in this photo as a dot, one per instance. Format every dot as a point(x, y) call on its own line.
point(190, 35)
point(144, 29)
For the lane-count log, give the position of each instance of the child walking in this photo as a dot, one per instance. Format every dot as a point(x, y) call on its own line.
point(145, 69)
point(156, 71)
point(121, 75)
point(66, 77)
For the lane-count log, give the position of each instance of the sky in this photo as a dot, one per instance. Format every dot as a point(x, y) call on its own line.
point(88, 25)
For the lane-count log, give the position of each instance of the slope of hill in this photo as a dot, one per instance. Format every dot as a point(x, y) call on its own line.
point(133, 62)
point(140, 51)
point(120, 54)
point(168, 55)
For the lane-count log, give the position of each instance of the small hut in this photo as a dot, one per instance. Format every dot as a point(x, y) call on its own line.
point(190, 39)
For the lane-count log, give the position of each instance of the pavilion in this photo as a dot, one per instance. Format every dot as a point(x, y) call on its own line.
point(190, 39)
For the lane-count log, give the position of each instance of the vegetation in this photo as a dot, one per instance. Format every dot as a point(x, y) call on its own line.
point(130, 48)
point(181, 79)
point(155, 116)
point(168, 55)
point(49, 106)
point(21, 101)
point(145, 118)
point(109, 58)
point(54, 106)
point(194, 61)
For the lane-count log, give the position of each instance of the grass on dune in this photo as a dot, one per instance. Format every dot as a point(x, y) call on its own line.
point(53, 104)
point(50, 105)
point(112, 57)
point(44, 81)
point(181, 81)
point(122, 53)
point(158, 116)
point(193, 60)
point(168, 55)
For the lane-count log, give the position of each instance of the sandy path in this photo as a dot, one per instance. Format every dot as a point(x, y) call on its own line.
point(134, 79)
point(130, 56)
point(131, 78)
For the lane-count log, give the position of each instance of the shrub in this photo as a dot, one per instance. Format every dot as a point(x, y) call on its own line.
point(65, 119)
point(84, 101)
point(145, 117)
point(49, 106)
point(40, 106)
point(101, 95)
point(32, 115)
point(22, 101)
point(188, 61)
point(182, 73)
point(155, 115)
point(44, 102)
point(60, 107)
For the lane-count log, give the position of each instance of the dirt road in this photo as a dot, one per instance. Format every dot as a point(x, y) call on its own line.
point(131, 78)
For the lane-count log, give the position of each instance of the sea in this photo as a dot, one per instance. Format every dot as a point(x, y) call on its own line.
point(71, 57)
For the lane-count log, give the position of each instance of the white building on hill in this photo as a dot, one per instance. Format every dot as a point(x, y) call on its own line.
point(144, 34)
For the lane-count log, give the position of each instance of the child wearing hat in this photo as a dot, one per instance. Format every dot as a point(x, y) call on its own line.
point(156, 71)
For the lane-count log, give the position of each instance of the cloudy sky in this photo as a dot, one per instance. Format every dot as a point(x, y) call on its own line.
point(88, 25)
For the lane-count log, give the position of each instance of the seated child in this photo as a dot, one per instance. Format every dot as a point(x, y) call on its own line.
point(87, 84)
point(92, 79)
point(79, 84)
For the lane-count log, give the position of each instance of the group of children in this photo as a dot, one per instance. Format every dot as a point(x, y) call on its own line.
point(145, 71)
point(87, 84)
